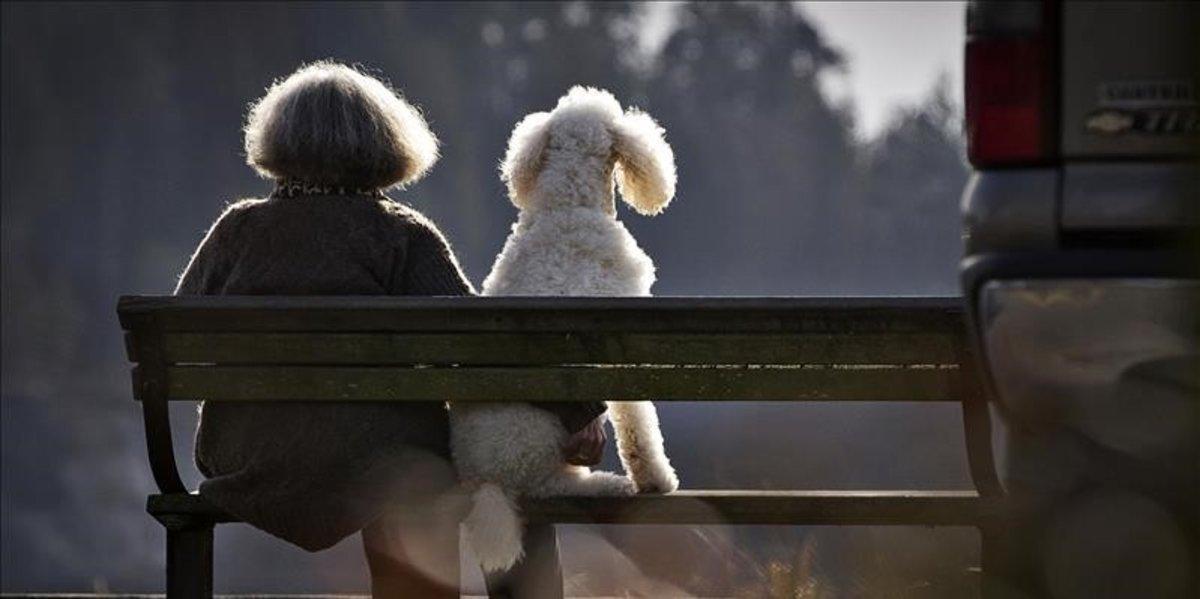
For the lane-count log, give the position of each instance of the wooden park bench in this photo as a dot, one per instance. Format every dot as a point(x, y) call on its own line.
point(349, 349)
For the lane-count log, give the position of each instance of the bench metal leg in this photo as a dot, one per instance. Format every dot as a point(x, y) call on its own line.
point(996, 580)
point(538, 575)
point(1010, 560)
point(189, 558)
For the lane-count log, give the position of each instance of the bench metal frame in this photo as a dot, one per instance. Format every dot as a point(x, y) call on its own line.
point(566, 349)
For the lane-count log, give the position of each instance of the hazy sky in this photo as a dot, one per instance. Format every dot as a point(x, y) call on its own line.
point(896, 50)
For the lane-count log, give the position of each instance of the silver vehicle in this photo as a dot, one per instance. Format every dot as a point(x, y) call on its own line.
point(1081, 273)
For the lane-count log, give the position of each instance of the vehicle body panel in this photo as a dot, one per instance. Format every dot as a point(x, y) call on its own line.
point(1128, 87)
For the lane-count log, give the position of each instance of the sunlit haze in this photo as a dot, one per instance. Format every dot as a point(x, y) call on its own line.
point(895, 51)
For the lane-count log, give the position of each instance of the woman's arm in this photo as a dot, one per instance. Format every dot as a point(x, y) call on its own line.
point(430, 268)
point(205, 273)
point(428, 265)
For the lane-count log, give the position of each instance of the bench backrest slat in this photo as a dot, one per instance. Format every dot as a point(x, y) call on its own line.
point(569, 349)
point(296, 383)
point(531, 349)
point(537, 314)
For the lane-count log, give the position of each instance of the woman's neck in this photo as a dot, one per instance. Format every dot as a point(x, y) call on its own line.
point(290, 188)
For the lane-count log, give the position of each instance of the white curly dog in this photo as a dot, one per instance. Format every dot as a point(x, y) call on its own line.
point(559, 168)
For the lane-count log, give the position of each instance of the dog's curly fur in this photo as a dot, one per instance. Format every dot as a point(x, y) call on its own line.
point(560, 168)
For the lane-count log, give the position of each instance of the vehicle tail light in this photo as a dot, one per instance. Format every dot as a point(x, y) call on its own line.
point(1010, 96)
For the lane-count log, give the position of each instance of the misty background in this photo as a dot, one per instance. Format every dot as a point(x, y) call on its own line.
point(121, 144)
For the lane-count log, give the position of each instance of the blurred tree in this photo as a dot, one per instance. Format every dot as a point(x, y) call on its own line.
point(508, 59)
point(907, 192)
point(760, 150)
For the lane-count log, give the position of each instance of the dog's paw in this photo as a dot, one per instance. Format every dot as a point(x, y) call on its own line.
point(657, 479)
point(624, 486)
point(608, 484)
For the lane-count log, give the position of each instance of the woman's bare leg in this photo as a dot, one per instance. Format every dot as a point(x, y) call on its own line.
point(538, 575)
point(413, 553)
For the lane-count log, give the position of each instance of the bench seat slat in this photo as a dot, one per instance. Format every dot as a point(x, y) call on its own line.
point(559, 348)
point(296, 383)
point(863, 508)
point(944, 508)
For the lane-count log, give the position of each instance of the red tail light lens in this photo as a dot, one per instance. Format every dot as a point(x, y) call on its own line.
point(1007, 103)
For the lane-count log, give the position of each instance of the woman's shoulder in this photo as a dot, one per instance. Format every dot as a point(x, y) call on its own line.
point(407, 217)
point(234, 216)
point(238, 209)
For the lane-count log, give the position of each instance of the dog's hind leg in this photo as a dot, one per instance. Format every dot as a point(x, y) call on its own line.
point(640, 445)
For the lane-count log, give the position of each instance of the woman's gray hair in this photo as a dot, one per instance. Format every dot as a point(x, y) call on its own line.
point(330, 124)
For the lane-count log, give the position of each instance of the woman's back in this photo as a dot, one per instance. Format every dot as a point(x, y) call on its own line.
point(323, 245)
point(316, 473)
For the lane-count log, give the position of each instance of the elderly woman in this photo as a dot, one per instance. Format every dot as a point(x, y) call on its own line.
point(333, 140)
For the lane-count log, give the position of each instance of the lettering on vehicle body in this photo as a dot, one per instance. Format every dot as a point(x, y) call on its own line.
point(1148, 107)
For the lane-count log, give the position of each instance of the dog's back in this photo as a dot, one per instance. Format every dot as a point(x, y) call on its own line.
point(570, 251)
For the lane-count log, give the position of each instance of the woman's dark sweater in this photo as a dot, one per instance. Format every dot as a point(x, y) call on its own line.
point(315, 473)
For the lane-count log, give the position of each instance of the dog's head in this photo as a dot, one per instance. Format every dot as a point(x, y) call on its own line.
point(572, 154)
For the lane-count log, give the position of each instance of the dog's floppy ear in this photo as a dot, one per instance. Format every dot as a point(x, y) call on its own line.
point(645, 163)
point(523, 160)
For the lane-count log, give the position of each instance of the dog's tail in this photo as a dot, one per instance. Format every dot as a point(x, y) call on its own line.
point(494, 529)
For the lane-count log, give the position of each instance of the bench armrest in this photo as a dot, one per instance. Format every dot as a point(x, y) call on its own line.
point(977, 427)
point(144, 346)
point(159, 444)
